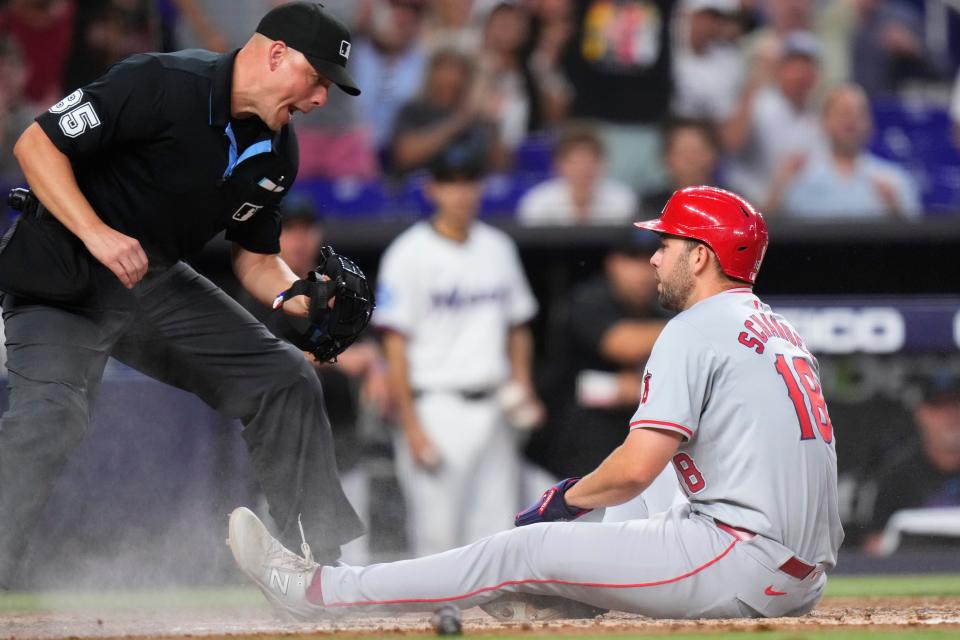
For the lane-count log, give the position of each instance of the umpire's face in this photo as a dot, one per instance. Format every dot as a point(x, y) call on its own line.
point(291, 85)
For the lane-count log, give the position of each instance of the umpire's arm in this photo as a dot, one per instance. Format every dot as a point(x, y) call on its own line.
point(51, 178)
point(265, 276)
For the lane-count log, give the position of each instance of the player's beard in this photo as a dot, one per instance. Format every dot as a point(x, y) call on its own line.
point(675, 290)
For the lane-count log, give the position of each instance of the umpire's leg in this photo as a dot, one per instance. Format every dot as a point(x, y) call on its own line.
point(192, 335)
point(55, 358)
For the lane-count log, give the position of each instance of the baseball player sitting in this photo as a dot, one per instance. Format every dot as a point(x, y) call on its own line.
point(732, 399)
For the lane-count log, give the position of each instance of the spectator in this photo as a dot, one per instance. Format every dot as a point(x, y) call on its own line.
point(844, 179)
point(581, 193)
point(691, 155)
point(833, 23)
point(606, 329)
point(926, 473)
point(507, 86)
point(454, 302)
point(389, 64)
point(446, 113)
point(43, 30)
point(708, 68)
point(778, 19)
point(551, 28)
point(888, 46)
point(224, 25)
point(106, 31)
point(619, 62)
point(778, 123)
point(456, 24)
point(15, 114)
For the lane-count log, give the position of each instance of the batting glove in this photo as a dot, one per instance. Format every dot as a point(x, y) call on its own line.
point(552, 506)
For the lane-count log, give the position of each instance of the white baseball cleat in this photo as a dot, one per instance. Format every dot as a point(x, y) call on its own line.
point(282, 575)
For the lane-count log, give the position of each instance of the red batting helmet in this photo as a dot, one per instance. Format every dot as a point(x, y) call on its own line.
point(724, 221)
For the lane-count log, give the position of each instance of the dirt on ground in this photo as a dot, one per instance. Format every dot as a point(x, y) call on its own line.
point(223, 623)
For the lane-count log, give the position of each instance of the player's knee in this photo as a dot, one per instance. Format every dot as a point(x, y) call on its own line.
point(60, 417)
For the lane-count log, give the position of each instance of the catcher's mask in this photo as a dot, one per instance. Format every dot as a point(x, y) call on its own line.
point(326, 332)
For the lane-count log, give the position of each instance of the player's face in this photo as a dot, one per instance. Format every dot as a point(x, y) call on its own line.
point(674, 276)
point(297, 87)
point(457, 201)
point(939, 423)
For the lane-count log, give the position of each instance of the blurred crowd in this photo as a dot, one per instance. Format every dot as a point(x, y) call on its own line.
point(594, 109)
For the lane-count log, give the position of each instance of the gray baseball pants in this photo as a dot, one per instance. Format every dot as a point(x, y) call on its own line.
point(676, 564)
point(178, 327)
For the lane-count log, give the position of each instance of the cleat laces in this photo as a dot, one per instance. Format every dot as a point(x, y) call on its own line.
point(304, 547)
point(280, 557)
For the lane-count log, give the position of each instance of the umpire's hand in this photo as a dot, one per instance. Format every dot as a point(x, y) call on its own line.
point(120, 253)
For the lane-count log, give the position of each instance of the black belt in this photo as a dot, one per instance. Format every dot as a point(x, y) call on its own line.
point(473, 395)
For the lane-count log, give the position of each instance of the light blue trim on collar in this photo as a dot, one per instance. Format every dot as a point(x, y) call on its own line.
point(255, 149)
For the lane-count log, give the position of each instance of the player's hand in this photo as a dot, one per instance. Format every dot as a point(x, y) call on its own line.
point(552, 506)
point(424, 453)
point(120, 253)
point(375, 391)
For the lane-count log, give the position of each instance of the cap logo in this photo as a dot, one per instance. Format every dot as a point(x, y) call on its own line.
point(345, 49)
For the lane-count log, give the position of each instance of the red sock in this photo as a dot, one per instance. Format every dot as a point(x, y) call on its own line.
point(315, 590)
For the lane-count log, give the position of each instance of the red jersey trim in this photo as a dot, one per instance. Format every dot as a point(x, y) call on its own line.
point(657, 424)
point(534, 581)
point(739, 290)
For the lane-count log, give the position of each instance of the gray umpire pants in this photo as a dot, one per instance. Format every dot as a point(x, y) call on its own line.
point(178, 327)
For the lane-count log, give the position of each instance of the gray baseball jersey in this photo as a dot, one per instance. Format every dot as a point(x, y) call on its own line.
point(736, 381)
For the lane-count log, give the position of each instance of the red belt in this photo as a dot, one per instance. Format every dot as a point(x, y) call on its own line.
point(793, 567)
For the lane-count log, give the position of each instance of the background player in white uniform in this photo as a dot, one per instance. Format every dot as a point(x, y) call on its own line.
point(731, 397)
point(453, 299)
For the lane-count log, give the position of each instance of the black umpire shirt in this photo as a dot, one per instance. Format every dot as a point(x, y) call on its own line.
point(150, 148)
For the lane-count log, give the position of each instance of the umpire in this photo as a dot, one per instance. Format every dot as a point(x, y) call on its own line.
point(132, 174)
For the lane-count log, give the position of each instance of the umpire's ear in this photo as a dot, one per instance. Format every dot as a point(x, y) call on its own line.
point(277, 52)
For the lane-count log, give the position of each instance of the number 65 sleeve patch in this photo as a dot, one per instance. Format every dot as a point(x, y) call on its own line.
point(76, 116)
point(122, 106)
point(76, 121)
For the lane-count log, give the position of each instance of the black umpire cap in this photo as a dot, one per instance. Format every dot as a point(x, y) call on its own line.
point(318, 35)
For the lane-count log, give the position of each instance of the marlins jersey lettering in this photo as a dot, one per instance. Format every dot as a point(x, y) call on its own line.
point(455, 303)
point(736, 381)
